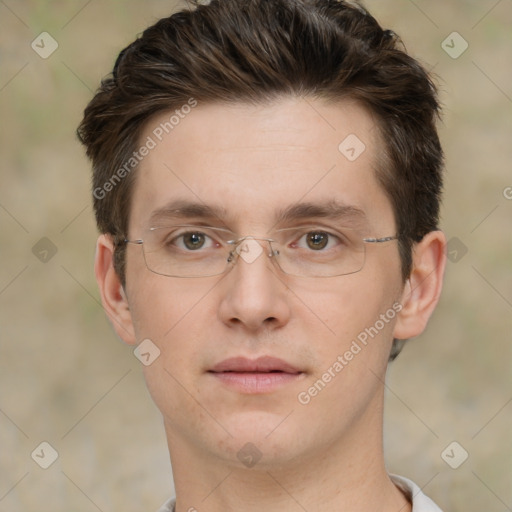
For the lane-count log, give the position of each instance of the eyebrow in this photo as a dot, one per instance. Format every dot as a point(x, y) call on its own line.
point(334, 210)
point(183, 209)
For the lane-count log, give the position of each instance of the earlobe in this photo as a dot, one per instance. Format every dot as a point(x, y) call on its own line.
point(423, 287)
point(113, 296)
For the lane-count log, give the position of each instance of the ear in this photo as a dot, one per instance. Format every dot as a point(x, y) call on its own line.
point(423, 288)
point(113, 296)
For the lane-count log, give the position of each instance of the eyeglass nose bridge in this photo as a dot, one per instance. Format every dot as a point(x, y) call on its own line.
point(249, 258)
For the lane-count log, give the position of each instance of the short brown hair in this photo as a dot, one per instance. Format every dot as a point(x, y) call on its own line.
point(256, 51)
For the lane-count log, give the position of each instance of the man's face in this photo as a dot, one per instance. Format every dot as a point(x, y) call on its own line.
point(255, 162)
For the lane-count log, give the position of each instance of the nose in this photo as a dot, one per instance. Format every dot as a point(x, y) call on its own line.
point(254, 296)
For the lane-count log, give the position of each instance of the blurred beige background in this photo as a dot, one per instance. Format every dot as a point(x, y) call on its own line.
point(66, 379)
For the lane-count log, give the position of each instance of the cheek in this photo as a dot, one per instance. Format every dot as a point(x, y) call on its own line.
point(161, 306)
point(344, 306)
point(356, 316)
point(175, 316)
point(353, 353)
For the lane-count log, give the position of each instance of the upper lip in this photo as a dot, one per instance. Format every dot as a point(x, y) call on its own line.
point(262, 364)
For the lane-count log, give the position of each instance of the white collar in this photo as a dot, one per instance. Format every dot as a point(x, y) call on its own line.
point(420, 502)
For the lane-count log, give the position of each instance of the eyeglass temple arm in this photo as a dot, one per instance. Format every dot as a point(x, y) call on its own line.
point(380, 240)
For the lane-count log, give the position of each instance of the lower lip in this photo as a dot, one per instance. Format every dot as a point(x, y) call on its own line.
point(254, 383)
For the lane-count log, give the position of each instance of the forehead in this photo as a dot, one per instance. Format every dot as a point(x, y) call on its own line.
point(250, 163)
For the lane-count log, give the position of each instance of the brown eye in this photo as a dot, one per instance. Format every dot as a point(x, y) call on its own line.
point(317, 240)
point(193, 241)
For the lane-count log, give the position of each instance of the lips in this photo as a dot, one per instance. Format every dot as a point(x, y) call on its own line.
point(265, 364)
point(255, 376)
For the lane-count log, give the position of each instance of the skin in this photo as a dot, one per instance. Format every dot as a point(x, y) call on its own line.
point(253, 160)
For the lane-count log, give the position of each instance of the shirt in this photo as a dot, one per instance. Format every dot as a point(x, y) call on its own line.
point(420, 502)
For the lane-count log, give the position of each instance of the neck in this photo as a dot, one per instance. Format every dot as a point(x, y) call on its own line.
point(347, 475)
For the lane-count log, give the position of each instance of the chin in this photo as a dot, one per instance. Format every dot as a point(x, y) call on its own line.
point(262, 435)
